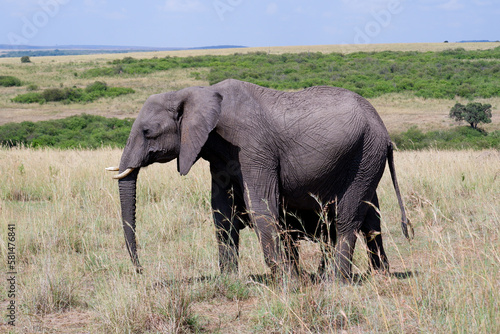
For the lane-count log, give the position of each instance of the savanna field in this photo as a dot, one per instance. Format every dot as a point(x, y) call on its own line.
point(74, 274)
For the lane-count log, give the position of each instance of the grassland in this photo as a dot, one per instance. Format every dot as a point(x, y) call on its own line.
point(75, 274)
point(400, 111)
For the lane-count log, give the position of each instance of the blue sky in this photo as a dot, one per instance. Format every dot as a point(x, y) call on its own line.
point(194, 23)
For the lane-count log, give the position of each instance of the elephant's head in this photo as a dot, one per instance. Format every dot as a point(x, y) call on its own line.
point(170, 125)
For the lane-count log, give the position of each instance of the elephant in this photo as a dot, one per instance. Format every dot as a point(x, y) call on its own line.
point(289, 164)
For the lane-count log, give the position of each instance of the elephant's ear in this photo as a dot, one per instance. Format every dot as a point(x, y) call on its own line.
point(200, 111)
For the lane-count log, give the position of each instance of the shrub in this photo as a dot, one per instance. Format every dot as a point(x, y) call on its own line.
point(84, 131)
point(9, 81)
point(453, 139)
point(25, 59)
point(117, 91)
point(443, 75)
point(96, 86)
point(91, 93)
point(29, 98)
point(473, 113)
point(54, 94)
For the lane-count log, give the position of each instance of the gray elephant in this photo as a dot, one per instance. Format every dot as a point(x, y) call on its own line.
point(274, 157)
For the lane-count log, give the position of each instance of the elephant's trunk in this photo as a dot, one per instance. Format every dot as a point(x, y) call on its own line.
point(127, 187)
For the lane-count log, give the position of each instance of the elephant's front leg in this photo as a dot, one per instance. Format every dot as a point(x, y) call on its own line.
point(227, 226)
point(327, 246)
point(262, 200)
point(290, 242)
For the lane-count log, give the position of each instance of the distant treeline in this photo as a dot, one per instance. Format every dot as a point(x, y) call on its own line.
point(90, 132)
point(444, 74)
point(46, 53)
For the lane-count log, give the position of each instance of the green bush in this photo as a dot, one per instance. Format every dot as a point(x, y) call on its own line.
point(84, 131)
point(96, 86)
point(453, 139)
point(117, 91)
point(54, 94)
point(31, 97)
point(9, 81)
point(91, 93)
point(443, 75)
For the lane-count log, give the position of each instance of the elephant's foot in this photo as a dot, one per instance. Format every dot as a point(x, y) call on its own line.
point(288, 280)
point(379, 271)
point(228, 268)
point(332, 275)
point(379, 266)
point(344, 277)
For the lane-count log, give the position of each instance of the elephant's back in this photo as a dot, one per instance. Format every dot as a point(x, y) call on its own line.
point(325, 115)
point(326, 138)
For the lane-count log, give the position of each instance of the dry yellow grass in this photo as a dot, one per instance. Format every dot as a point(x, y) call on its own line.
point(75, 274)
point(401, 111)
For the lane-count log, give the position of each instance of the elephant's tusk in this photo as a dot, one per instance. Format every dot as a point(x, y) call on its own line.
point(123, 174)
point(112, 169)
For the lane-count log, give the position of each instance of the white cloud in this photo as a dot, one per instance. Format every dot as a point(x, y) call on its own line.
point(272, 8)
point(299, 10)
point(483, 2)
point(117, 15)
point(452, 5)
point(20, 8)
point(183, 6)
point(364, 7)
point(332, 30)
point(94, 3)
point(101, 8)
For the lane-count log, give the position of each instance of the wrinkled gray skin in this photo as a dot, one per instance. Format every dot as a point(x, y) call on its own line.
point(271, 152)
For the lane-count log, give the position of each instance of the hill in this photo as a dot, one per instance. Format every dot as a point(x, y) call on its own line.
point(7, 50)
point(399, 110)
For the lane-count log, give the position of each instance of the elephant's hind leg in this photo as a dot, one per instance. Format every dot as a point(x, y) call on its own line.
point(352, 210)
point(372, 231)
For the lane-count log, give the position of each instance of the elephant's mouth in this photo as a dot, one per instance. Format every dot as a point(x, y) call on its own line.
point(159, 156)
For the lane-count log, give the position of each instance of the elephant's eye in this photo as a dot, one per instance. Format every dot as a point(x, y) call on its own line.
point(147, 133)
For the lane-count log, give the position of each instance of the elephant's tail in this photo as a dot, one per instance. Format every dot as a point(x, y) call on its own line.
point(405, 222)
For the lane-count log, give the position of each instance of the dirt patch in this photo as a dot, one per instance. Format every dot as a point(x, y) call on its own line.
point(65, 322)
point(225, 316)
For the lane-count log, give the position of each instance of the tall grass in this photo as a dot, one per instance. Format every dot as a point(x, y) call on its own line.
point(72, 260)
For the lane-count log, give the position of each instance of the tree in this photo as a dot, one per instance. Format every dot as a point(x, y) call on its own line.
point(473, 113)
point(25, 59)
